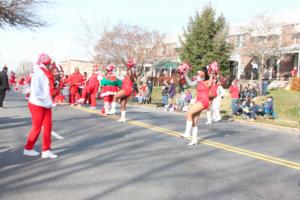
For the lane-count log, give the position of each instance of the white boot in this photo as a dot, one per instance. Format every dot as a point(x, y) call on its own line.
point(208, 115)
point(106, 108)
point(113, 108)
point(188, 128)
point(194, 136)
point(123, 116)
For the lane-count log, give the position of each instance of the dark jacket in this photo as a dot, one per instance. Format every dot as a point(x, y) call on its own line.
point(172, 90)
point(4, 81)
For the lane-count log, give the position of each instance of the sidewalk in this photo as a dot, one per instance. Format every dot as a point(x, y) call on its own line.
point(245, 122)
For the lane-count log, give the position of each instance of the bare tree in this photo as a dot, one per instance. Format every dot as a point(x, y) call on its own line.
point(92, 29)
point(20, 13)
point(262, 40)
point(124, 41)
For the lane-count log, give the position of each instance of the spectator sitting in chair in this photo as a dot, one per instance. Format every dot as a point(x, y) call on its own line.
point(188, 96)
point(146, 96)
point(246, 105)
point(180, 100)
point(140, 97)
point(256, 111)
point(268, 107)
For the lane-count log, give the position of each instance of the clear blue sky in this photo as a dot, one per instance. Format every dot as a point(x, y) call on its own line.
point(61, 38)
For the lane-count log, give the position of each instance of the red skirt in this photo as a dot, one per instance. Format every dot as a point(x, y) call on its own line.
point(109, 90)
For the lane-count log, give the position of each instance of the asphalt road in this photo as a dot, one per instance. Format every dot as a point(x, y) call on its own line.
point(145, 159)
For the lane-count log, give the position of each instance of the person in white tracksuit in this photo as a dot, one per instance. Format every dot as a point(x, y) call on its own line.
point(213, 114)
point(216, 104)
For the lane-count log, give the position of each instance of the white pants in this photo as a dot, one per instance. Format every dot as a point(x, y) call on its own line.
point(215, 109)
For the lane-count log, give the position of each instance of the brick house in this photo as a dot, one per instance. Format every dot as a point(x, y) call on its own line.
point(287, 37)
point(70, 65)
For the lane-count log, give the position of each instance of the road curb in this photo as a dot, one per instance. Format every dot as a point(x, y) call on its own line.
point(296, 130)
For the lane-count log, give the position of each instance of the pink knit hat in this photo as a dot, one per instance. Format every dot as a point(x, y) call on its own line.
point(44, 59)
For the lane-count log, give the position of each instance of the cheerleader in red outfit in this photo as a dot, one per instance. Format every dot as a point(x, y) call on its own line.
point(40, 104)
point(110, 87)
point(125, 91)
point(203, 83)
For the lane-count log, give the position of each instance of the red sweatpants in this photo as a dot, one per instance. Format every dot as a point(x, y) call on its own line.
point(41, 117)
point(93, 94)
point(73, 94)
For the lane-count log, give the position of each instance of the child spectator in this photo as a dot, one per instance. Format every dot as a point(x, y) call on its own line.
point(164, 93)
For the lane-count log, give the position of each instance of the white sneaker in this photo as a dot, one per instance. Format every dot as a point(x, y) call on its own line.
point(92, 108)
point(81, 100)
point(122, 120)
point(48, 154)
point(30, 152)
point(193, 143)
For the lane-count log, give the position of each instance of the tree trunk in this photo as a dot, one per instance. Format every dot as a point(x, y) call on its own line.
point(261, 74)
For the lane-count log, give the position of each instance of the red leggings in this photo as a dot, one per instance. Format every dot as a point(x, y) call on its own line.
point(108, 99)
point(41, 117)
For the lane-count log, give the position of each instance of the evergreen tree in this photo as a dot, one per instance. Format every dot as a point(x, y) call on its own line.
point(205, 40)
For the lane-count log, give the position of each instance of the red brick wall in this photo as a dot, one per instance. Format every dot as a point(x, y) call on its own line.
point(287, 38)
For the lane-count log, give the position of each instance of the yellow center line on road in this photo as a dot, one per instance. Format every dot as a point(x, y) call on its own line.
point(245, 152)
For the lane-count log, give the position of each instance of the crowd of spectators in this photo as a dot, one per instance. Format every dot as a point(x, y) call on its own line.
point(244, 99)
point(245, 102)
point(143, 94)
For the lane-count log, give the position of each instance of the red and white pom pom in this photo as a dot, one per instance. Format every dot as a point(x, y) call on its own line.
point(130, 63)
point(95, 68)
point(183, 68)
point(110, 68)
point(213, 67)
